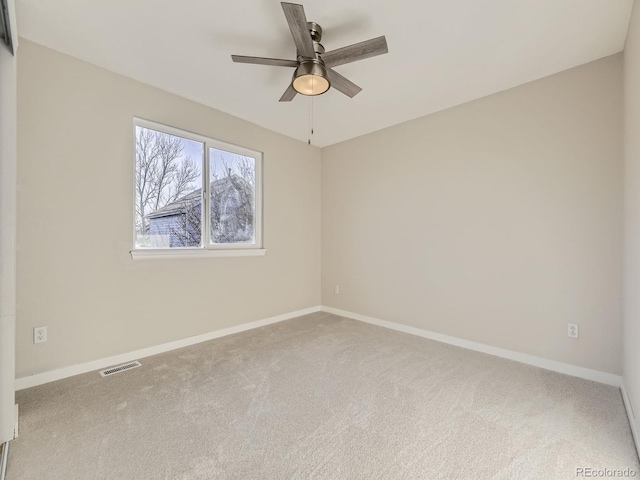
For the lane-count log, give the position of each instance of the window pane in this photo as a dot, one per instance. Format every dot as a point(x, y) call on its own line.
point(233, 184)
point(168, 190)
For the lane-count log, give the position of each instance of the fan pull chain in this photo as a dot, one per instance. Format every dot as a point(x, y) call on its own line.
point(310, 119)
point(309, 137)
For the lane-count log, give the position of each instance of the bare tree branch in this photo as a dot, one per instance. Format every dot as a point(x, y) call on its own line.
point(162, 173)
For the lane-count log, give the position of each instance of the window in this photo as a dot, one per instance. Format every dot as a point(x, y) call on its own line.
point(194, 195)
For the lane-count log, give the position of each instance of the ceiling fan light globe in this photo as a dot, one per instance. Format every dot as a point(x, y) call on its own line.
point(311, 85)
point(310, 78)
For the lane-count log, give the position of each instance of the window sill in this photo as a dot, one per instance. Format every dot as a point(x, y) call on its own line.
point(195, 253)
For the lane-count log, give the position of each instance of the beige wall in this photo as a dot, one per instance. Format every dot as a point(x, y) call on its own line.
point(75, 194)
point(631, 330)
point(498, 221)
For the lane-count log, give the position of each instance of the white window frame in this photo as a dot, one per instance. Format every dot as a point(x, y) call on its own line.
point(206, 249)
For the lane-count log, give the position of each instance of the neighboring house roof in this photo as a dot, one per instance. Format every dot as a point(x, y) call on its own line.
point(178, 206)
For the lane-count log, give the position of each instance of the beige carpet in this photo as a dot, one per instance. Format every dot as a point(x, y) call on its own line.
point(321, 397)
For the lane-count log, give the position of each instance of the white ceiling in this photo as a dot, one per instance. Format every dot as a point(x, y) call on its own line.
point(441, 52)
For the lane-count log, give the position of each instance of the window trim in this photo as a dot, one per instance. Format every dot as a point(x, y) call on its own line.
point(194, 252)
point(206, 249)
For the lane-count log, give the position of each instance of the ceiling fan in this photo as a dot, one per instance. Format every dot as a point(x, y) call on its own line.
point(314, 72)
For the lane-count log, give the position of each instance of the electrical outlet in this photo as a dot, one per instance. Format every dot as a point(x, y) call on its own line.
point(337, 290)
point(573, 330)
point(39, 334)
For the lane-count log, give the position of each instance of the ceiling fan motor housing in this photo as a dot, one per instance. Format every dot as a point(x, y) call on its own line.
point(310, 77)
point(315, 31)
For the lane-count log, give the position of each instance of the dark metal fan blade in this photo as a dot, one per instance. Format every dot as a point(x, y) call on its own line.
point(276, 62)
point(343, 85)
point(288, 94)
point(297, 21)
point(355, 52)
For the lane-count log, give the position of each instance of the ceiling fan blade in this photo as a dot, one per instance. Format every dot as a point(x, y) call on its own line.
point(288, 94)
point(355, 52)
point(342, 84)
point(297, 21)
point(276, 62)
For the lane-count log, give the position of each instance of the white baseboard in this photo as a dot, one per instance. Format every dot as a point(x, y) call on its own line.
point(581, 372)
point(568, 369)
point(632, 418)
point(46, 377)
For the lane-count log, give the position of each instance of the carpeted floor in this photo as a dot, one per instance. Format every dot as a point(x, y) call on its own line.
point(321, 396)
